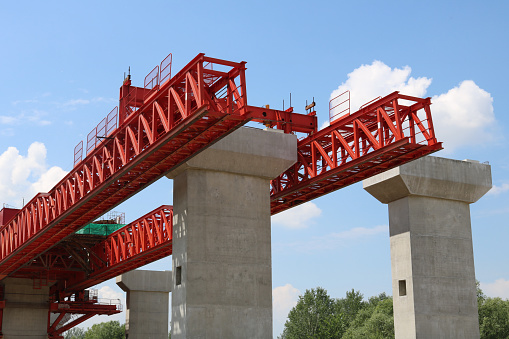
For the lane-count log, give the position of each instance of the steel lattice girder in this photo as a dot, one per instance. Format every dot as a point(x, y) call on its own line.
point(161, 127)
point(145, 240)
point(178, 119)
point(382, 135)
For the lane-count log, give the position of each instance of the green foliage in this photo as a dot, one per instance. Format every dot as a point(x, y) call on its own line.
point(375, 321)
point(107, 330)
point(317, 316)
point(314, 316)
point(75, 333)
point(494, 318)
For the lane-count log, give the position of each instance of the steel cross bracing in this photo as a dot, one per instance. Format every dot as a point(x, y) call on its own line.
point(81, 260)
point(158, 129)
point(165, 123)
point(384, 134)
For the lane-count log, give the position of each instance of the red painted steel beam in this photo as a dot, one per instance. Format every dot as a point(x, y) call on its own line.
point(288, 122)
point(175, 121)
point(159, 128)
point(86, 310)
point(145, 240)
point(164, 124)
point(382, 135)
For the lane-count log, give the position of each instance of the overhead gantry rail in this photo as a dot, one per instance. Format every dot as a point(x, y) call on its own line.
point(168, 121)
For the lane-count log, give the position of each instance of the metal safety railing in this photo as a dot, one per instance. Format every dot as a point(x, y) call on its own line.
point(103, 129)
point(339, 106)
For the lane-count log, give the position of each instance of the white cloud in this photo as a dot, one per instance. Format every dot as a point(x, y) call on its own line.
point(49, 179)
point(32, 116)
point(496, 190)
point(24, 176)
point(7, 120)
point(359, 232)
point(326, 123)
point(499, 288)
point(462, 117)
point(106, 292)
point(75, 102)
point(333, 240)
point(284, 298)
point(371, 81)
point(297, 217)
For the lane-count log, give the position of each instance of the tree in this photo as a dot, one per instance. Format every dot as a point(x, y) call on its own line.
point(317, 316)
point(350, 305)
point(314, 316)
point(494, 318)
point(75, 333)
point(106, 330)
point(375, 321)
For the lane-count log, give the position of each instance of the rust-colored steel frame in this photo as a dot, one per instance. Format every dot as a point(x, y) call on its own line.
point(143, 241)
point(76, 265)
point(384, 134)
point(167, 122)
point(171, 123)
point(85, 309)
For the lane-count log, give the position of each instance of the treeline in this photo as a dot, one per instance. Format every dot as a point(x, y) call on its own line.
point(318, 316)
point(106, 330)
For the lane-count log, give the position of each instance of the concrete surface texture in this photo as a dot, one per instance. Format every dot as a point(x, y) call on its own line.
point(222, 237)
point(431, 244)
point(26, 309)
point(147, 298)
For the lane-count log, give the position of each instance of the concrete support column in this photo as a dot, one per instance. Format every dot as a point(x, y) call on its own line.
point(147, 303)
point(26, 309)
point(222, 237)
point(431, 244)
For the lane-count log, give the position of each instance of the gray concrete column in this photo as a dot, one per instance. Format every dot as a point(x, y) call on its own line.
point(26, 309)
point(433, 277)
point(222, 237)
point(147, 298)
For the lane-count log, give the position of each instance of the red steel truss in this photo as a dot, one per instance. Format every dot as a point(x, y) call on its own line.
point(81, 261)
point(384, 134)
point(158, 129)
point(76, 309)
point(159, 126)
point(141, 242)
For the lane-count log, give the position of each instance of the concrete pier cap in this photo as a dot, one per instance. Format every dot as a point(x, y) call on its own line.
point(147, 296)
point(432, 261)
point(147, 281)
point(466, 180)
point(247, 151)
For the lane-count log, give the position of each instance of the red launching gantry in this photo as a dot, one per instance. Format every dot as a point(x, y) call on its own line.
point(156, 128)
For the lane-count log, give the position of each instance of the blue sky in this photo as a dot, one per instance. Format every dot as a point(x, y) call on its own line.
point(62, 63)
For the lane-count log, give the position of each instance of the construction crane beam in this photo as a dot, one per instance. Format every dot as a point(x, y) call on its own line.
point(384, 134)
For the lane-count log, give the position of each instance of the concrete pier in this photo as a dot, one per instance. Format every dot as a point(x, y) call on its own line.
point(147, 303)
point(26, 309)
point(433, 277)
point(222, 236)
